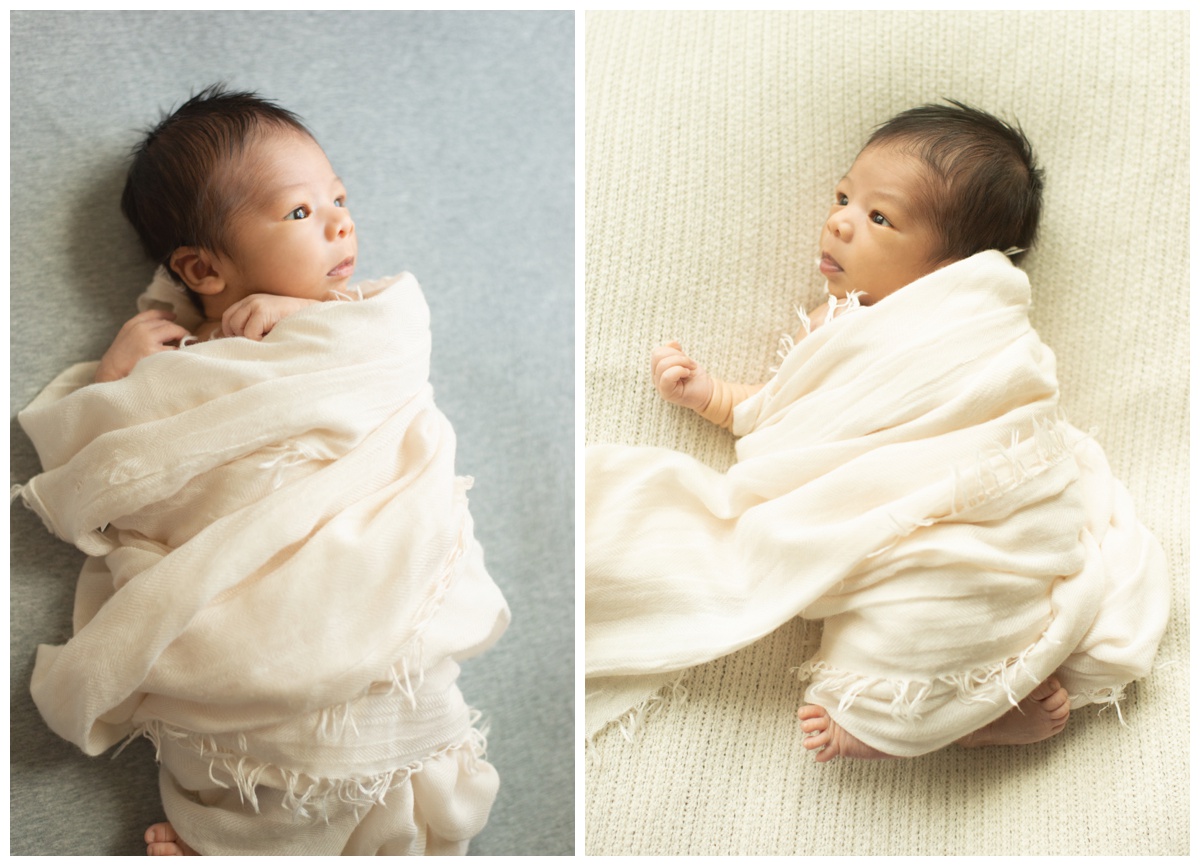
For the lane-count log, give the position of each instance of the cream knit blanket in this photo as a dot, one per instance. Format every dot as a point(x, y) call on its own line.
point(907, 477)
point(282, 572)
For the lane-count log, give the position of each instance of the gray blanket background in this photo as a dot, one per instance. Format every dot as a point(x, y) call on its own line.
point(454, 133)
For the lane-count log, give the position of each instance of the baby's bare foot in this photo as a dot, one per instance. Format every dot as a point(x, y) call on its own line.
point(162, 839)
point(1040, 716)
point(832, 740)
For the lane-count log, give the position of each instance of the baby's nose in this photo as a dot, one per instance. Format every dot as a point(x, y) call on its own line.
point(839, 226)
point(341, 225)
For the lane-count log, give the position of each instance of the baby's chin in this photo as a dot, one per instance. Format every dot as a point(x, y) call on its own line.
point(838, 290)
point(842, 292)
point(838, 286)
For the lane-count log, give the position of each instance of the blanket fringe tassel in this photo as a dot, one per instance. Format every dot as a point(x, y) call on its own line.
point(305, 795)
point(632, 720)
point(908, 696)
point(1001, 468)
point(787, 342)
point(1109, 698)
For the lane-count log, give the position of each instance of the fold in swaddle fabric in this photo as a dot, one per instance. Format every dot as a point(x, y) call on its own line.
point(908, 478)
point(282, 579)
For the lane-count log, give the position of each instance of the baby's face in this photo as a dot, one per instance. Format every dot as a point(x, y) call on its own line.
point(876, 238)
point(293, 235)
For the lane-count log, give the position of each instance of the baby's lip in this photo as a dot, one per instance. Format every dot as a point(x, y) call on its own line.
point(344, 269)
point(828, 262)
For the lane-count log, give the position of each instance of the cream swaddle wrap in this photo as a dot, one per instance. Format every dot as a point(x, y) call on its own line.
point(906, 477)
point(282, 580)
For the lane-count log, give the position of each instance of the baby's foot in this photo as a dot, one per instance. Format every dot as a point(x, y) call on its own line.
point(162, 839)
point(1040, 716)
point(832, 739)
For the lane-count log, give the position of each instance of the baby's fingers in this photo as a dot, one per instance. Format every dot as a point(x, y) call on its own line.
point(664, 357)
point(148, 318)
point(670, 380)
point(671, 347)
point(257, 326)
point(236, 319)
point(233, 319)
point(170, 333)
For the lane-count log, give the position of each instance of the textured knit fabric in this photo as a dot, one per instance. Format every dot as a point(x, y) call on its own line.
point(714, 142)
point(282, 573)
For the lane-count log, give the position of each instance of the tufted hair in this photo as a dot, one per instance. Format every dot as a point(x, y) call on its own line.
point(179, 190)
point(985, 188)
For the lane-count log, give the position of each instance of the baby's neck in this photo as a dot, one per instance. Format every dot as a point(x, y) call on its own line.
point(209, 330)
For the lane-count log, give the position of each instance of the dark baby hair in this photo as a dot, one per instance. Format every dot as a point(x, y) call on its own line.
point(176, 193)
point(986, 190)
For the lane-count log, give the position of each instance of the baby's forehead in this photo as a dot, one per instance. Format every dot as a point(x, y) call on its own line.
point(899, 158)
point(893, 173)
point(276, 160)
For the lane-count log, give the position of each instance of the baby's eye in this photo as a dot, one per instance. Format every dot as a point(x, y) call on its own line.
point(879, 219)
point(841, 198)
point(298, 214)
point(340, 201)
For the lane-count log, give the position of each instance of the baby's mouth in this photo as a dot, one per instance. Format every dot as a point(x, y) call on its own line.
point(828, 264)
point(344, 269)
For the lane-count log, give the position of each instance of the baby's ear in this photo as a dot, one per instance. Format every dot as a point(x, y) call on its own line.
point(196, 268)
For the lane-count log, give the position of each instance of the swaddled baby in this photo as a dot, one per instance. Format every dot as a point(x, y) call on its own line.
point(935, 185)
point(283, 576)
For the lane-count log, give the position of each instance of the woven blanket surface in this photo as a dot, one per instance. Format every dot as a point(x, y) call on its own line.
point(713, 142)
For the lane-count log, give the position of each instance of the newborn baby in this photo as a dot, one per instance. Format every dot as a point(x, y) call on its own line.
point(273, 235)
point(283, 576)
point(931, 192)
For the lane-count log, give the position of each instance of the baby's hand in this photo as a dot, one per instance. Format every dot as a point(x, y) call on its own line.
point(145, 334)
point(678, 378)
point(255, 315)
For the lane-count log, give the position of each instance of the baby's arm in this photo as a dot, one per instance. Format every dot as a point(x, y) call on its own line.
point(145, 334)
point(682, 381)
point(254, 316)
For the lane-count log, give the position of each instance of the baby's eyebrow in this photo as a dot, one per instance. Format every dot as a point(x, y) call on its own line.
point(891, 196)
point(882, 193)
point(336, 181)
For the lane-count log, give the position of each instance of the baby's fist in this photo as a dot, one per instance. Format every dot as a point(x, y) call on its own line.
point(678, 379)
point(255, 316)
point(147, 333)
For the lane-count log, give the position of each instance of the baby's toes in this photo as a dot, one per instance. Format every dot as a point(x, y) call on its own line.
point(814, 722)
point(812, 726)
point(1057, 701)
point(1045, 689)
point(811, 711)
point(161, 832)
point(817, 740)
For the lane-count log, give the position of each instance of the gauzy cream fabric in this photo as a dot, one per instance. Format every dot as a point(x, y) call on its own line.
point(282, 579)
point(906, 477)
